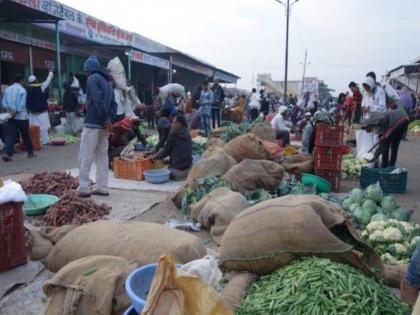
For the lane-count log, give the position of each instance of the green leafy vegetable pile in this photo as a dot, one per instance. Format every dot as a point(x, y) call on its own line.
point(394, 240)
point(205, 186)
point(320, 286)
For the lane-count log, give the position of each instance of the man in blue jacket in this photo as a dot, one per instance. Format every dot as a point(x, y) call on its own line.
point(100, 109)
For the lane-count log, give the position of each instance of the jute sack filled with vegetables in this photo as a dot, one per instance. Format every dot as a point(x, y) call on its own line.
point(91, 285)
point(299, 163)
point(247, 146)
point(275, 232)
point(217, 209)
point(264, 132)
point(217, 163)
point(250, 175)
point(139, 241)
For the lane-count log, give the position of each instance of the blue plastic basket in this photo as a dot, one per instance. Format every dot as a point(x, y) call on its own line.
point(138, 284)
point(157, 176)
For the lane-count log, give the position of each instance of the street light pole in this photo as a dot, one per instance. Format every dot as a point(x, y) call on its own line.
point(286, 61)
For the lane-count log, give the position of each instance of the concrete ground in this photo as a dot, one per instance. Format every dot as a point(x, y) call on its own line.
point(25, 283)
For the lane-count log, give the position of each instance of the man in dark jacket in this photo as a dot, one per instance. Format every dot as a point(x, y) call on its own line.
point(178, 148)
point(391, 127)
point(219, 98)
point(100, 109)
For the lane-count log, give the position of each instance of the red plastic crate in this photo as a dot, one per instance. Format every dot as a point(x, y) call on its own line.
point(329, 135)
point(327, 158)
point(333, 177)
point(12, 236)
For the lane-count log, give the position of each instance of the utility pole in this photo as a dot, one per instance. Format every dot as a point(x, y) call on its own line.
point(286, 61)
point(304, 71)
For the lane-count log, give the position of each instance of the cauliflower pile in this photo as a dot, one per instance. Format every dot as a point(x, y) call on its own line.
point(394, 240)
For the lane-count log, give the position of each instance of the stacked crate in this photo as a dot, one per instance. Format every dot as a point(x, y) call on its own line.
point(327, 154)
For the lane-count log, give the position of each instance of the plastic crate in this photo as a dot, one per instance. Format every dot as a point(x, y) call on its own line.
point(390, 183)
point(12, 236)
point(329, 135)
point(327, 158)
point(334, 177)
point(131, 170)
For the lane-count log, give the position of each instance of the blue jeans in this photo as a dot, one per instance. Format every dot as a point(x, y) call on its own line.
point(413, 272)
point(14, 128)
point(215, 116)
point(205, 115)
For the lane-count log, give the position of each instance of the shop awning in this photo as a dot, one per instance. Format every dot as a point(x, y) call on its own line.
point(13, 12)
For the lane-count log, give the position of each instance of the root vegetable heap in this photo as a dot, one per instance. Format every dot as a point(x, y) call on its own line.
point(56, 183)
point(71, 209)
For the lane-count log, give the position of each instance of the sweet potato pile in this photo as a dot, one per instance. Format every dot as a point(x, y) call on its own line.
point(71, 209)
point(56, 183)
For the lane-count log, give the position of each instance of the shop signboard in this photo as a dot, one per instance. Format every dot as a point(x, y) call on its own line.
point(310, 85)
point(147, 59)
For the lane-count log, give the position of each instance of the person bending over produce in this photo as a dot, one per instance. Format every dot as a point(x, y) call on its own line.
point(391, 127)
point(122, 132)
point(281, 126)
point(178, 148)
point(163, 127)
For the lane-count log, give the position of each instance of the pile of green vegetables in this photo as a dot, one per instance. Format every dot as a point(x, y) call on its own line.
point(351, 167)
point(371, 205)
point(320, 286)
point(199, 145)
point(394, 240)
point(414, 126)
point(205, 186)
point(235, 130)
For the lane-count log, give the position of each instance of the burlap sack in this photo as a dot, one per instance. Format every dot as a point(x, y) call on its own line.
point(249, 175)
point(275, 232)
point(217, 164)
point(247, 146)
point(139, 241)
point(174, 292)
point(54, 234)
point(264, 132)
point(217, 209)
point(299, 163)
point(92, 285)
point(236, 289)
point(39, 247)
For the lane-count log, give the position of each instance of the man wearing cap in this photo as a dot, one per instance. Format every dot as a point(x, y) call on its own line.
point(281, 126)
point(14, 101)
point(37, 105)
point(100, 110)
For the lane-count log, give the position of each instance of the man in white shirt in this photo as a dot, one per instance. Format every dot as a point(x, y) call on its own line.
point(254, 105)
point(281, 126)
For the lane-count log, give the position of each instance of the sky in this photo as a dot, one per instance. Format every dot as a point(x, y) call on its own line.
point(345, 39)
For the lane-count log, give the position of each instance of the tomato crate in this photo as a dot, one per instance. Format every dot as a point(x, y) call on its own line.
point(131, 169)
point(333, 177)
point(12, 236)
point(329, 135)
point(327, 158)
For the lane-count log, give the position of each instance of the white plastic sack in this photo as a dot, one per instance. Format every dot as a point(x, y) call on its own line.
point(116, 70)
point(11, 192)
point(364, 142)
point(206, 269)
point(179, 89)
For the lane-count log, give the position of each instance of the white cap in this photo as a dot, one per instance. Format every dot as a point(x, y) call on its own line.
point(32, 79)
point(282, 109)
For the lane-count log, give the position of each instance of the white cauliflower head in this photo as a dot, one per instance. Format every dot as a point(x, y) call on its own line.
point(376, 226)
point(392, 234)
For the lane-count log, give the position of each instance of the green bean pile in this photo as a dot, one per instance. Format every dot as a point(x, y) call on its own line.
point(319, 286)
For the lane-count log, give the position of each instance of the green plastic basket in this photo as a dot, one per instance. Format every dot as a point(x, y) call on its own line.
point(322, 185)
point(38, 204)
